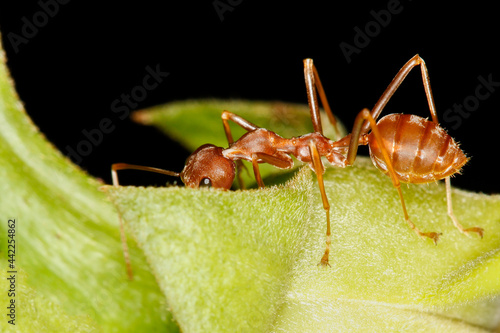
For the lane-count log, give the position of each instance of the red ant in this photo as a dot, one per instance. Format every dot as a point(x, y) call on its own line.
point(407, 148)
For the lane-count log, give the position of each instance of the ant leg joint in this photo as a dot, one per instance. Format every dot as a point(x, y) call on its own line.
point(424, 235)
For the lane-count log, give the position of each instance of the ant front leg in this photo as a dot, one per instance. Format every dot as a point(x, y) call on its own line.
point(312, 83)
point(245, 124)
point(365, 115)
point(279, 160)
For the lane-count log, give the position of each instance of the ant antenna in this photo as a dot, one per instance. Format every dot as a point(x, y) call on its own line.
point(126, 166)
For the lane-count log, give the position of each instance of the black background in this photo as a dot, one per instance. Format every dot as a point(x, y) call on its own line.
point(88, 54)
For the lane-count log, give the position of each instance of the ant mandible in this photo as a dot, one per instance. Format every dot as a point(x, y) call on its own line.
point(407, 148)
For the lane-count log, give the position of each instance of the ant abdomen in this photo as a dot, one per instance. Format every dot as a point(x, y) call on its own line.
point(420, 150)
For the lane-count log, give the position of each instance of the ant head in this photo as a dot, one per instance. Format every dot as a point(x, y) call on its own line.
point(206, 166)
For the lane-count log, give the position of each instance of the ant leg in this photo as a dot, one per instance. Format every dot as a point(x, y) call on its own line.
point(365, 115)
point(319, 170)
point(312, 83)
point(226, 116)
point(452, 216)
point(356, 138)
point(394, 85)
point(114, 175)
point(280, 160)
point(256, 171)
point(311, 95)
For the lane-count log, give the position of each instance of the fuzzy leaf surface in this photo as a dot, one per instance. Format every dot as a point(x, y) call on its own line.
point(247, 260)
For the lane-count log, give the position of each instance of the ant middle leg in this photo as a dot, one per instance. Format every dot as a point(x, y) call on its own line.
point(319, 170)
point(365, 115)
point(314, 87)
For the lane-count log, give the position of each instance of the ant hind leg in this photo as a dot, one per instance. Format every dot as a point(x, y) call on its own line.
point(365, 115)
point(457, 224)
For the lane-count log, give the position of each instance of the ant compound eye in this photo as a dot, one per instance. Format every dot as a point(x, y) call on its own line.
point(206, 182)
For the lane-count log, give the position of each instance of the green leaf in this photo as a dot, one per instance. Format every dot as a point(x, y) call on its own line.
point(234, 261)
point(37, 313)
point(69, 263)
point(196, 122)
